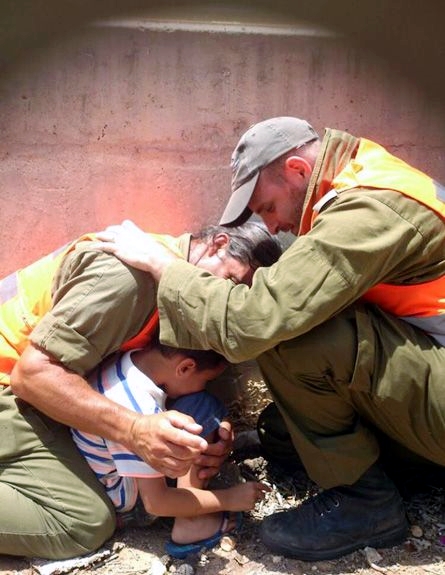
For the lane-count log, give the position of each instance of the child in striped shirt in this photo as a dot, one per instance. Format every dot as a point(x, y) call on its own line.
point(150, 380)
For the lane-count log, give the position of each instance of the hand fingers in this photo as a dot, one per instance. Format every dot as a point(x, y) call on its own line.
point(208, 460)
point(114, 229)
point(105, 236)
point(187, 440)
point(173, 467)
point(210, 466)
point(166, 447)
point(112, 232)
point(225, 430)
point(264, 488)
point(183, 421)
point(261, 490)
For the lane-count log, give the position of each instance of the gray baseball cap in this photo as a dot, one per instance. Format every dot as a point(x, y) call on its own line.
point(259, 146)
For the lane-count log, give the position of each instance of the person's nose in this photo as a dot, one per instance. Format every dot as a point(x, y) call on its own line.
point(271, 225)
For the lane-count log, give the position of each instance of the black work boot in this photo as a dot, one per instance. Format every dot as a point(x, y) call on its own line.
point(339, 520)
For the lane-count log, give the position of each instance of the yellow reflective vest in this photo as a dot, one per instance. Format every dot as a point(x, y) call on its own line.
point(25, 297)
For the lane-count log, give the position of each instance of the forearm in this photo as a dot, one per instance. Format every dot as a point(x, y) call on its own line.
point(241, 322)
point(68, 398)
point(169, 441)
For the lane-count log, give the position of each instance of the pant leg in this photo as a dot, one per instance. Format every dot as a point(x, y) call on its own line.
point(406, 398)
point(275, 439)
point(410, 472)
point(52, 504)
point(360, 367)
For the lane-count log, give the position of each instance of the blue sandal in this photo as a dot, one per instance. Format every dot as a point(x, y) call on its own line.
point(182, 550)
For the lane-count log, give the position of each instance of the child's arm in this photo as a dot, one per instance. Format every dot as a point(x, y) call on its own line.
point(164, 501)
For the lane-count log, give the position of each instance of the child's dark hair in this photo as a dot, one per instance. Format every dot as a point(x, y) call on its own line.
point(204, 358)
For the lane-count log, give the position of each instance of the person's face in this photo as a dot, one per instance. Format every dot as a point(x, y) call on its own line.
point(279, 196)
point(224, 266)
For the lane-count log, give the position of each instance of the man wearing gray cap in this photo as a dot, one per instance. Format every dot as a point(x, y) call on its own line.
point(347, 327)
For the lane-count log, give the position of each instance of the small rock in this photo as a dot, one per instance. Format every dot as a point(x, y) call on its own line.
point(185, 569)
point(241, 559)
point(227, 543)
point(276, 559)
point(203, 560)
point(372, 555)
point(156, 567)
point(416, 531)
point(118, 546)
point(254, 464)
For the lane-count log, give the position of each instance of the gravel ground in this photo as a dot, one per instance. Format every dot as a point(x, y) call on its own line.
point(140, 551)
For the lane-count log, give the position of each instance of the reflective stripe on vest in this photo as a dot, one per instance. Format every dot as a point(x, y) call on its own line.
point(25, 297)
point(422, 304)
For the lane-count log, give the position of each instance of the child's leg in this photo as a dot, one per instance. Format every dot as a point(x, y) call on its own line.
point(208, 411)
point(191, 529)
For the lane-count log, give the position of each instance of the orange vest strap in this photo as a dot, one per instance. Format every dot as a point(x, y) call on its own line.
point(145, 335)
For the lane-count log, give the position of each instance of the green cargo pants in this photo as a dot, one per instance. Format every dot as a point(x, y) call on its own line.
point(52, 505)
point(362, 369)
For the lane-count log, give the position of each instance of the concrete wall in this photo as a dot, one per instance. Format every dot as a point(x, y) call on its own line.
point(137, 120)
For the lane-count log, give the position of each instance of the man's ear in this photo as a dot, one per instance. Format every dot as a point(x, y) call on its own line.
point(297, 164)
point(219, 241)
point(185, 367)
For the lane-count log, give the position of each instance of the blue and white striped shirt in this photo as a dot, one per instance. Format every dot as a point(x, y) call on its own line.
point(115, 466)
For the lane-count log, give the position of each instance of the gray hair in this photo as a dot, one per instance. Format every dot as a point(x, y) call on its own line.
point(250, 243)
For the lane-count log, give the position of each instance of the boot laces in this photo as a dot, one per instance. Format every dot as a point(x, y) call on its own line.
point(325, 502)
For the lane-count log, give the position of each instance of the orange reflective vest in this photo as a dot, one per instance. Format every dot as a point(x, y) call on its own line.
point(25, 297)
point(421, 304)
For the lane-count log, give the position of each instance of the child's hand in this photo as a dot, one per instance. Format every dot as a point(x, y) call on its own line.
point(244, 496)
point(216, 453)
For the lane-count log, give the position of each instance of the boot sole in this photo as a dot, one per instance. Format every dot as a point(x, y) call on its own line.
point(386, 540)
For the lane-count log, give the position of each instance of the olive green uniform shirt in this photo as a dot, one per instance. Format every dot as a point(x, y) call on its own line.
point(98, 304)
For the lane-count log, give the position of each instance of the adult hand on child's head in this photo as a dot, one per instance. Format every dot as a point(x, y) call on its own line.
point(168, 441)
point(134, 247)
point(216, 453)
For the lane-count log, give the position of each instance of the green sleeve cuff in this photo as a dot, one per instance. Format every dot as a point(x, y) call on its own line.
point(65, 344)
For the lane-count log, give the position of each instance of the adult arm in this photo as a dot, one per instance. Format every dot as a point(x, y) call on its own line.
point(98, 304)
point(364, 238)
point(161, 439)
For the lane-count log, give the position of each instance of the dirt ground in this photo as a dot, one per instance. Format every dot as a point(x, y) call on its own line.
point(141, 551)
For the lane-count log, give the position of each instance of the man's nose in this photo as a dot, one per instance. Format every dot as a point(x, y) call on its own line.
point(271, 225)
